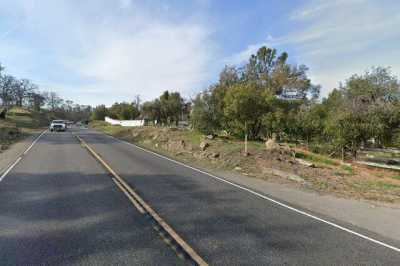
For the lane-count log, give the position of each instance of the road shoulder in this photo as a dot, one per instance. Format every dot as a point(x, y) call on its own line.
point(7, 157)
point(377, 218)
point(381, 219)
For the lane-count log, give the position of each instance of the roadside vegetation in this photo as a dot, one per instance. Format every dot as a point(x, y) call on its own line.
point(292, 133)
point(25, 109)
point(276, 163)
point(268, 98)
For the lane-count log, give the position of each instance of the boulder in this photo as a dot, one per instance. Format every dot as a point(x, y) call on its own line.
point(134, 134)
point(204, 145)
point(305, 163)
point(210, 136)
point(271, 144)
point(176, 144)
point(200, 155)
point(147, 142)
point(277, 172)
point(214, 155)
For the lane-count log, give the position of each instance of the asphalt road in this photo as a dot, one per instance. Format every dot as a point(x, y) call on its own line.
point(59, 206)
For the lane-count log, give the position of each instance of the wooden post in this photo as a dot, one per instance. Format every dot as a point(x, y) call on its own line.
point(342, 153)
point(245, 138)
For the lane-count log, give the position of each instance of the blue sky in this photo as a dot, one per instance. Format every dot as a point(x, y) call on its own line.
point(104, 51)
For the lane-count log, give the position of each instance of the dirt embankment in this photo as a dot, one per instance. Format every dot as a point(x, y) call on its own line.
point(275, 162)
point(9, 133)
point(19, 123)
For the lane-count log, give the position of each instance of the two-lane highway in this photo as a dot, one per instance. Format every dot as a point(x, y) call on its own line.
point(230, 226)
point(58, 205)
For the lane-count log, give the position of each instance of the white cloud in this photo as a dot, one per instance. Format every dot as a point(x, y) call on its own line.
point(112, 51)
point(339, 38)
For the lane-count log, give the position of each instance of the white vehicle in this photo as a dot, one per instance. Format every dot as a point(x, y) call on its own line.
point(57, 125)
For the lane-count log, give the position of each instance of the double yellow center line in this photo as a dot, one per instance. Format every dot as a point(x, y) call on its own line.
point(144, 208)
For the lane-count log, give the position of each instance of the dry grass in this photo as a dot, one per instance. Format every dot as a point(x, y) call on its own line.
point(329, 175)
point(19, 123)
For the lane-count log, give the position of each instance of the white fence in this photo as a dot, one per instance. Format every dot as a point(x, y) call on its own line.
point(125, 123)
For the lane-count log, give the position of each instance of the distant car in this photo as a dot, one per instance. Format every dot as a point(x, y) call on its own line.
point(68, 124)
point(58, 125)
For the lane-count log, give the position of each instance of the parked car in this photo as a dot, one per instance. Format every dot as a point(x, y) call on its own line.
point(58, 125)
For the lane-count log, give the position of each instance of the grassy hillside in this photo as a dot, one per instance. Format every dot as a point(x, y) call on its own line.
point(281, 162)
point(26, 119)
point(18, 124)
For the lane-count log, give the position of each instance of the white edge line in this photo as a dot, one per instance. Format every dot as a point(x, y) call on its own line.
point(34, 142)
point(20, 157)
point(267, 198)
point(10, 168)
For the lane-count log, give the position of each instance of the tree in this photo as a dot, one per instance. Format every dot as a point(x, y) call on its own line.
point(171, 104)
point(276, 75)
point(123, 111)
point(21, 89)
point(99, 113)
point(374, 97)
point(53, 101)
point(36, 100)
point(245, 105)
point(136, 102)
point(203, 116)
point(6, 89)
point(152, 110)
point(309, 121)
point(208, 107)
point(228, 76)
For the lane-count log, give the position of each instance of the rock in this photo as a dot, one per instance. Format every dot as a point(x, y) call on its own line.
point(237, 168)
point(214, 155)
point(135, 134)
point(283, 174)
point(295, 178)
point(200, 155)
point(210, 136)
point(271, 144)
point(147, 142)
point(176, 144)
point(305, 163)
point(204, 145)
point(4, 147)
point(156, 145)
point(189, 147)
